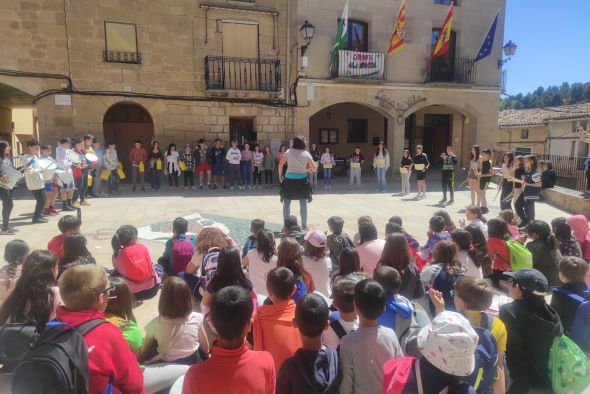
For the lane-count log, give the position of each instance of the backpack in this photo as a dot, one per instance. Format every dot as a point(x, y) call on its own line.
point(138, 264)
point(520, 256)
point(338, 329)
point(57, 362)
point(408, 329)
point(208, 270)
point(15, 340)
point(579, 332)
point(569, 368)
point(586, 248)
point(182, 253)
point(483, 376)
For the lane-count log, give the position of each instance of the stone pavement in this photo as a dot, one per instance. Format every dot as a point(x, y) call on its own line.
point(152, 212)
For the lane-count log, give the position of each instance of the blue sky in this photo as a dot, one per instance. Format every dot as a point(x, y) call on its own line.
point(553, 39)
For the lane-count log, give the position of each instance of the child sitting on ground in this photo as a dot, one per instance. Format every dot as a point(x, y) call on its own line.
point(178, 332)
point(119, 312)
point(291, 229)
point(68, 225)
point(337, 240)
point(466, 254)
point(356, 239)
point(532, 325)
point(15, 253)
point(411, 240)
point(314, 368)
point(273, 329)
point(568, 246)
point(436, 233)
point(346, 320)
point(475, 217)
point(251, 371)
point(85, 293)
point(498, 234)
point(572, 272)
point(132, 262)
point(508, 216)
point(397, 307)
point(544, 249)
point(474, 296)
point(260, 260)
point(448, 345)
point(255, 226)
point(442, 273)
point(289, 256)
point(364, 351)
point(179, 249)
point(316, 261)
point(348, 263)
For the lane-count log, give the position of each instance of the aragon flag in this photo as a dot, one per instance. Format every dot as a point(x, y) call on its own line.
point(442, 43)
point(397, 40)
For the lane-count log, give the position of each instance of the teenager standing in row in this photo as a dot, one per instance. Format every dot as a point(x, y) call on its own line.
point(155, 160)
point(406, 171)
point(380, 165)
point(421, 165)
point(449, 161)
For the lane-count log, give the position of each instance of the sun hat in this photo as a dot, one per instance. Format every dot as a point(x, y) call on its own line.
point(529, 280)
point(316, 238)
point(448, 343)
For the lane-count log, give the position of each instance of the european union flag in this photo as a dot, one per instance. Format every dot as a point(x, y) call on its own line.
point(488, 42)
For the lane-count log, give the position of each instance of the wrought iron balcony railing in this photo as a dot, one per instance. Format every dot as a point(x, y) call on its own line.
point(239, 73)
point(121, 57)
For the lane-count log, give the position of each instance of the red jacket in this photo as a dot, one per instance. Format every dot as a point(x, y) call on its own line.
point(137, 155)
point(109, 355)
point(56, 245)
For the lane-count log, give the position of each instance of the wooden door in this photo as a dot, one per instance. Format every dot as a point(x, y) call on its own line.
point(437, 136)
point(240, 51)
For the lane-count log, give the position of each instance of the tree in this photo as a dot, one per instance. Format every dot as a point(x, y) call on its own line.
point(551, 96)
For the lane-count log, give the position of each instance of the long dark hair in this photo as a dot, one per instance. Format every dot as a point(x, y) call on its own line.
point(74, 249)
point(348, 262)
point(498, 228)
point(534, 162)
point(14, 254)
point(124, 236)
point(265, 244)
point(169, 151)
point(561, 229)
point(543, 230)
point(229, 271)
point(476, 147)
point(448, 221)
point(462, 238)
point(289, 256)
point(510, 157)
point(154, 145)
point(3, 146)
point(377, 150)
point(478, 240)
point(32, 299)
point(445, 253)
point(395, 253)
point(121, 305)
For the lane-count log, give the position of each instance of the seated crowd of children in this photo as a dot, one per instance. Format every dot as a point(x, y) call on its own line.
point(316, 314)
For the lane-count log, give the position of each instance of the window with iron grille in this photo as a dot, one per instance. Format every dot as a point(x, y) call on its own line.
point(121, 43)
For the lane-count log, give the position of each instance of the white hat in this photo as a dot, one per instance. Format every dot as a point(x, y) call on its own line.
point(449, 344)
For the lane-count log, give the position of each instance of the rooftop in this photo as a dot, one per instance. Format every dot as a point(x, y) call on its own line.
point(539, 116)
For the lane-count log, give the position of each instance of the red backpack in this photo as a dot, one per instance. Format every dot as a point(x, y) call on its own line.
point(396, 373)
point(137, 263)
point(182, 253)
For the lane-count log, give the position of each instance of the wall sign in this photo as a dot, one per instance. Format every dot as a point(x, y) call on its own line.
point(63, 99)
point(398, 106)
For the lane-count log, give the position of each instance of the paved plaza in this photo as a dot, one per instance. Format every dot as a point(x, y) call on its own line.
point(153, 212)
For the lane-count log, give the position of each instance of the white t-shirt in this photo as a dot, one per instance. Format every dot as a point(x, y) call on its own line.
point(177, 338)
point(469, 265)
point(320, 272)
point(330, 338)
point(297, 160)
point(258, 269)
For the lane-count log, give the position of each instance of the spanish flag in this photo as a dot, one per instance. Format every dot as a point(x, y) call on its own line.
point(442, 43)
point(397, 40)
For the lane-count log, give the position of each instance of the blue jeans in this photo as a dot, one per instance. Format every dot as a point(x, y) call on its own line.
point(381, 184)
point(302, 210)
point(155, 178)
point(246, 172)
point(327, 176)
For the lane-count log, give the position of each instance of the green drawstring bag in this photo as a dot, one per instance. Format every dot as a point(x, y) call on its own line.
point(569, 368)
point(520, 257)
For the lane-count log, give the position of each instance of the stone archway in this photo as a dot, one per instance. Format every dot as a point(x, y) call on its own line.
point(125, 122)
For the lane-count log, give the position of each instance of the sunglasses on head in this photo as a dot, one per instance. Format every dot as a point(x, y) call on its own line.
point(108, 290)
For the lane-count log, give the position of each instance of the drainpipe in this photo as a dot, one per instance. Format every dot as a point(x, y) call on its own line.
point(287, 90)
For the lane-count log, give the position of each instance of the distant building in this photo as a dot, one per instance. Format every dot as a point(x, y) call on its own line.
point(549, 130)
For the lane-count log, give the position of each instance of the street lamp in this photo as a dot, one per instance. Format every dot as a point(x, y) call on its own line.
point(307, 30)
point(509, 51)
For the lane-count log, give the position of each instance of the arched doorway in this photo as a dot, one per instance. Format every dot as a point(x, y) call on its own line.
point(436, 127)
point(342, 127)
point(123, 123)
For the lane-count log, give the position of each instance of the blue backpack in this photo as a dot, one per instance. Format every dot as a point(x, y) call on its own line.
point(483, 376)
point(579, 332)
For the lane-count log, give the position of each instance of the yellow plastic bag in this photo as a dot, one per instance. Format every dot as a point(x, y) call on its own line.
point(141, 166)
point(181, 165)
point(120, 171)
point(158, 164)
point(105, 174)
point(90, 180)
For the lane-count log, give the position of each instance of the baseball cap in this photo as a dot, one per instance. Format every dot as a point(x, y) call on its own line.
point(316, 238)
point(529, 280)
point(448, 343)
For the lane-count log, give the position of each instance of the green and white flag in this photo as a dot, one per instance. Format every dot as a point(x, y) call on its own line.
point(342, 29)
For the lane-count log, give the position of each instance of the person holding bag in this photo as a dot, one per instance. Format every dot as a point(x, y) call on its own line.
point(155, 159)
point(172, 166)
point(380, 165)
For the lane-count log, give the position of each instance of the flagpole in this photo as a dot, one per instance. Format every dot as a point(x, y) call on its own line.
point(487, 31)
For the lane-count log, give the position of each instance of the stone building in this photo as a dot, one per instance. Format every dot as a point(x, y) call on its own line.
point(174, 71)
point(180, 70)
point(361, 95)
point(549, 130)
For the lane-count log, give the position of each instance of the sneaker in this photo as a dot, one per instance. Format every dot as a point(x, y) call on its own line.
point(53, 210)
point(215, 186)
point(84, 203)
point(250, 187)
point(67, 208)
point(143, 189)
point(40, 220)
point(8, 231)
point(209, 186)
point(75, 205)
point(231, 188)
point(201, 187)
point(133, 189)
point(46, 212)
point(443, 201)
point(225, 187)
point(418, 196)
point(192, 188)
point(451, 202)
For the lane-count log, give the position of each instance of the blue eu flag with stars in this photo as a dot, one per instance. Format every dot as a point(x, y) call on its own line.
point(488, 43)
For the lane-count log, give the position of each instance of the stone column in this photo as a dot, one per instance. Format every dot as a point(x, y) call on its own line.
point(395, 144)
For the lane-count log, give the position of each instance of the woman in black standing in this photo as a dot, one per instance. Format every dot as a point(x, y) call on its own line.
point(421, 164)
point(519, 172)
point(5, 194)
point(507, 185)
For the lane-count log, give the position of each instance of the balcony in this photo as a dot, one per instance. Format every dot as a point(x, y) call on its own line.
point(239, 73)
point(445, 70)
point(358, 65)
point(121, 57)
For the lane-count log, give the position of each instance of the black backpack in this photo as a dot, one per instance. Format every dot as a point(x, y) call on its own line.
point(15, 340)
point(57, 362)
